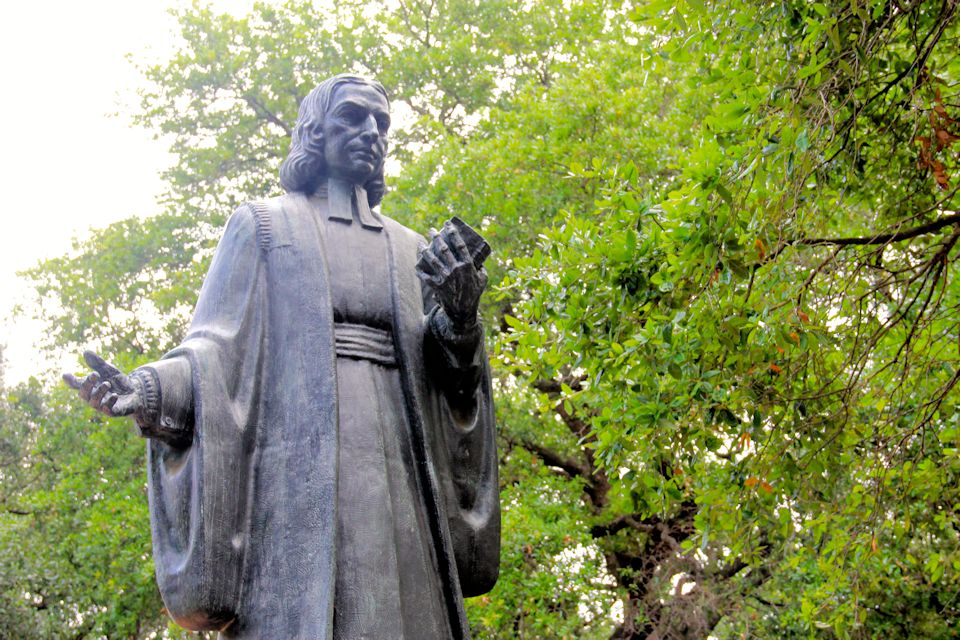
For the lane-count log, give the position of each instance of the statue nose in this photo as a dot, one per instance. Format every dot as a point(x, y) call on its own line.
point(370, 132)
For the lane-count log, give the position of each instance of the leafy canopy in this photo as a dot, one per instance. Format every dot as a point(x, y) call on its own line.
point(723, 309)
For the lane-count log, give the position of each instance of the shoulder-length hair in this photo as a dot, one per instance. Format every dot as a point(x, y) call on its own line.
point(305, 168)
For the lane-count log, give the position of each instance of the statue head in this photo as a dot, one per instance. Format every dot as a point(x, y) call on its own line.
point(308, 162)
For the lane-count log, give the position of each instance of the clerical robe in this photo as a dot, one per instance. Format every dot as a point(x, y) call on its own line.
point(245, 515)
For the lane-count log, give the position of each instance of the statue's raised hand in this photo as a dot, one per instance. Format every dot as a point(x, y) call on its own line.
point(450, 268)
point(106, 388)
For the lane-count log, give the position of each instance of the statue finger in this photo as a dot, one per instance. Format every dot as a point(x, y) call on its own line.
point(100, 365)
point(88, 383)
point(445, 253)
point(431, 262)
point(426, 270)
point(109, 400)
point(97, 394)
point(424, 276)
point(423, 264)
point(456, 241)
point(439, 269)
point(72, 381)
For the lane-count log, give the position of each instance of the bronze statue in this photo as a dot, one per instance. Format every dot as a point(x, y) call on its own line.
point(321, 452)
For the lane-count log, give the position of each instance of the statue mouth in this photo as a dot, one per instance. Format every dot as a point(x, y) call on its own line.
point(366, 154)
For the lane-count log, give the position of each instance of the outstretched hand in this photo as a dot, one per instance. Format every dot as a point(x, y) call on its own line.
point(447, 266)
point(106, 388)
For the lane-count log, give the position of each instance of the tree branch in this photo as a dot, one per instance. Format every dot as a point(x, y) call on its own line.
point(262, 111)
point(878, 239)
point(627, 521)
point(556, 386)
point(885, 238)
point(553, 459)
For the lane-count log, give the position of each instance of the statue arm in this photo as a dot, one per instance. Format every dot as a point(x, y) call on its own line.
point(166, 412)
point(464, 444)
point(159, 396)
point(455, 358)
point(198, 407)
point(453, 280)
point(207, 389)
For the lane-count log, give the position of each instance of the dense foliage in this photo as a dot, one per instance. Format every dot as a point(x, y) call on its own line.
point(724, 310)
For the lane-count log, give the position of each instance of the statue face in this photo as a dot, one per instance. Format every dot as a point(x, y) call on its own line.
point(355, 133)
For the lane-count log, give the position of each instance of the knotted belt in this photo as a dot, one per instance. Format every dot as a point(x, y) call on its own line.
point(361, 342)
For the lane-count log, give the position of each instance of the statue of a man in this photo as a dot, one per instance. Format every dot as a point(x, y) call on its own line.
point(321, 451)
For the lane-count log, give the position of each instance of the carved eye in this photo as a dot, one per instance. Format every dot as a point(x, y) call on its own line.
point(353, 114)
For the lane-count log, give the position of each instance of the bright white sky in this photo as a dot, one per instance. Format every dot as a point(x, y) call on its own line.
point(68, 164)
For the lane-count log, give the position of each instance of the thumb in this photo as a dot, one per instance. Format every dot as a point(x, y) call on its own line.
point(98, 364)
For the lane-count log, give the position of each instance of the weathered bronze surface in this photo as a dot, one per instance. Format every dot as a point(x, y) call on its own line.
point(321, 451)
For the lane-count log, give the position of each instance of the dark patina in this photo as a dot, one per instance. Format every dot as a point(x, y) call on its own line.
point(321, 452)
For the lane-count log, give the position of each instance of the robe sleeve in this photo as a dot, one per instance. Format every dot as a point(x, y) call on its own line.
point(455, 360)
point(457, 365)
point(199, 486)
point(167, 401)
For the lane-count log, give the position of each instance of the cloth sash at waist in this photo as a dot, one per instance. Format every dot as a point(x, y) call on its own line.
point(361, 342)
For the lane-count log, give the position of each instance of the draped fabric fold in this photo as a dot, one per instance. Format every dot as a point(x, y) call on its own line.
point(244, 518)
point(364, 343)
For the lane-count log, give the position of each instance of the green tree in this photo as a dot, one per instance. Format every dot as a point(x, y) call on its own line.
point(724, 318)
point(74, 527)
point(759, 340)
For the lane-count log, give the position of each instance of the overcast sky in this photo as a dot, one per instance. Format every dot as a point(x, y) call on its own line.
point(68, 163)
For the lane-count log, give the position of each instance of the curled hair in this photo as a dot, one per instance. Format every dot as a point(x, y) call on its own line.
point(305, 167)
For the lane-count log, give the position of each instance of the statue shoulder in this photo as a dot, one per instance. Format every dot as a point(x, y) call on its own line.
point(264, 217)
point(400, 231)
